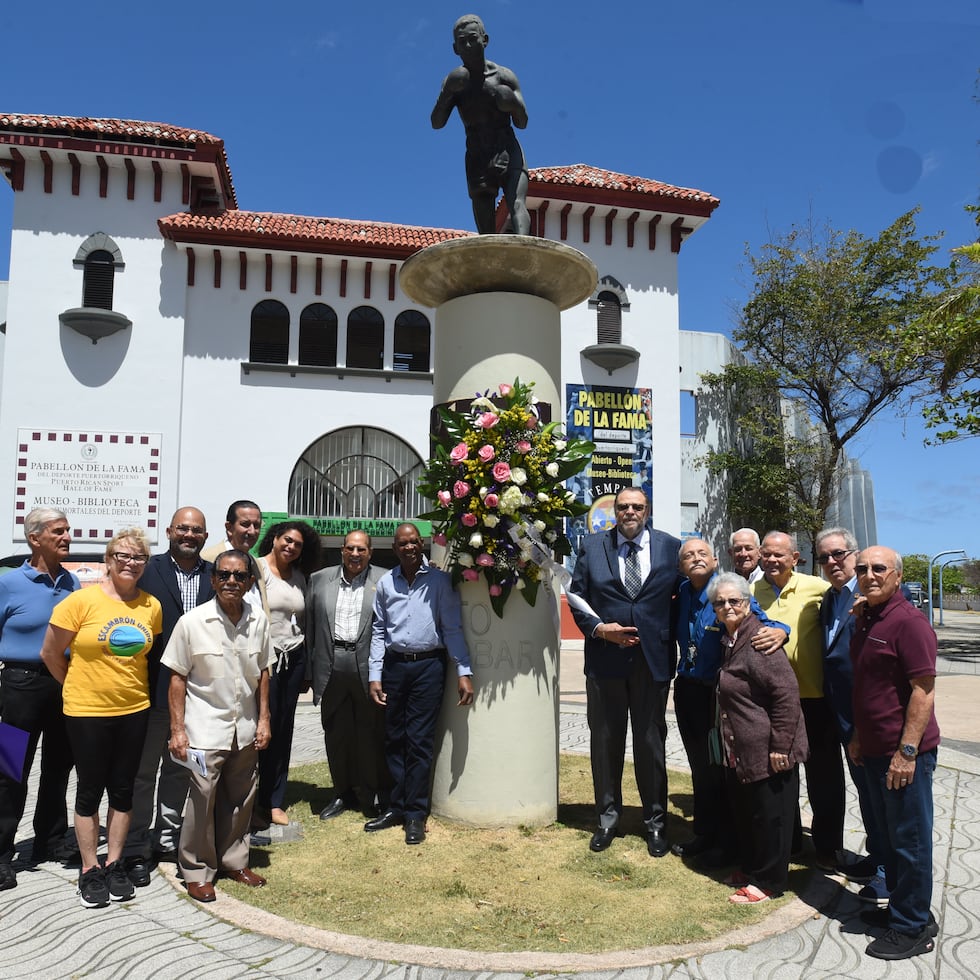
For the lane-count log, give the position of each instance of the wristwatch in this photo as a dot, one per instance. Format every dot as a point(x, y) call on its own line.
point(909, 751)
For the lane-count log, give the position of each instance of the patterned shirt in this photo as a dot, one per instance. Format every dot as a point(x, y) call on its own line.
point(347, 616)
point(189, 583)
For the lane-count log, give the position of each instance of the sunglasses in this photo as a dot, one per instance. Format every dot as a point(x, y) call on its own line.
point(222, 575)
point(732, 603)
point(877, 569)
point(838, 555)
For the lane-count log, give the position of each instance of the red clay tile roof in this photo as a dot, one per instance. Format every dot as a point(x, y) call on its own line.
point(260, 229)
point(592, 185)
point(126, 131)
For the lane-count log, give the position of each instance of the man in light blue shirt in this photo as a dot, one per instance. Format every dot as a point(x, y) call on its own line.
point(30, 698)
point(417, 623)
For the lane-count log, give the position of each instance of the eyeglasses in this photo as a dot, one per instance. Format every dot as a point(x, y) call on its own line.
point(631, 506)
point(877, 569)
point(223, 574)
point(731, 603)
point(838, 555)
point(189, 529)
point(124, 558)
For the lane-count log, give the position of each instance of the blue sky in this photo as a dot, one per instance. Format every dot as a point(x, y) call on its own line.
point(849, 111)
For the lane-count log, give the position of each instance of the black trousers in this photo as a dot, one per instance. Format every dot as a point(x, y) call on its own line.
point(611, 703)
point(414, 693)
point(764, 817)
point(694, 707)
point(824, 777)
point(353, 735)
point(31, 700)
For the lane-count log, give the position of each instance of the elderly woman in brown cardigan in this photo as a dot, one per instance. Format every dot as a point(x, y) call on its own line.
point(763, 741)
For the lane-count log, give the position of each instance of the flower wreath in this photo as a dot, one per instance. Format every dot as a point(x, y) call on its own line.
point(497, 478)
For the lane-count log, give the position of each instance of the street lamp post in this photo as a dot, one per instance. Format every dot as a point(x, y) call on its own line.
point(953, 551)
point(949, 561)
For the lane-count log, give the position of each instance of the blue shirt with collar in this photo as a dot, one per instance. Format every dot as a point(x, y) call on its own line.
point(697, 625)
point(27, 598)
point(417, 617)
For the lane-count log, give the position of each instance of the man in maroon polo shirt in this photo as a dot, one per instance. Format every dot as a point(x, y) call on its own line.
point(895, 738)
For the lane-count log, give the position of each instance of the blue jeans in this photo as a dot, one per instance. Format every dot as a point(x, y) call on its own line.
point(872, 830)
point(906, 817)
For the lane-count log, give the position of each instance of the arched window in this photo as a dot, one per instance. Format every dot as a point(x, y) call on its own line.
point(269, 336)
point(365, 338)
point(413, 338)
point(98, 258)
point(318, 336)
point(609, 318)
point(357, 472)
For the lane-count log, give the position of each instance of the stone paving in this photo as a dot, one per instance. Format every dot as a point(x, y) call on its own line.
point(45, 933)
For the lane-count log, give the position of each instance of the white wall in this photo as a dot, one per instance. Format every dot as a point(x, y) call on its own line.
point(52, 376)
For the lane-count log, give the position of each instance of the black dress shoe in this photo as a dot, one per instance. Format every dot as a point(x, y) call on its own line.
point(137, 871)
point(657, 843)
point(603, 837)
point(691, 848)
point(414, 831)
point(387, 819)
point(334, 809)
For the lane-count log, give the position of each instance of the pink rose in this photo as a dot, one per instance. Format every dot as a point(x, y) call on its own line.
point(524, 446)
point(532, 422)
point(491, 500)
point(469, 519)
point(470, 574)
point(488, 420)
point(445, 498)
point(459, 452)
point(484, 559)
point(501, 473)
point(495, 589)
point(460, 489)
point(486, 453)
point(504, 389)
point(439, 539)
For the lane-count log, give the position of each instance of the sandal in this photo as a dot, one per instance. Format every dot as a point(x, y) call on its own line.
point(736, 879)
point(749, 895)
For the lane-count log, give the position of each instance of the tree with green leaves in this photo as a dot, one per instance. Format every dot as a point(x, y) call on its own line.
point(952, 333)
point(824, 330)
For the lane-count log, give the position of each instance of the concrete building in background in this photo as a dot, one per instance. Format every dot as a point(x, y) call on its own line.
point(163, 313)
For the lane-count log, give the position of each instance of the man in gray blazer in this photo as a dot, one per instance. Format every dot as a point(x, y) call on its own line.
point(338, 635)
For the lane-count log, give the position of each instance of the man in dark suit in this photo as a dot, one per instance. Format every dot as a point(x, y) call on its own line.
point(837, 550)
point(621, 599)
point(338, 630)
point(181, 580)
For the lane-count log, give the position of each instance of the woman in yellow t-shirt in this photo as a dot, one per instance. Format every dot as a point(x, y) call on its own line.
point(108, 629)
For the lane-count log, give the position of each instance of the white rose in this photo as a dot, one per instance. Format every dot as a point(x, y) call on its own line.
point(543, 498)
point(483, 492)
point(465, 559)
point(560, 444)
point(491, 520)
point(540, 526)
point(476, 540)
point(551, 469)
point(518, 476)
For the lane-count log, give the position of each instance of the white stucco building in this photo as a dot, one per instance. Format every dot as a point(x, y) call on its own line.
point(275, 357)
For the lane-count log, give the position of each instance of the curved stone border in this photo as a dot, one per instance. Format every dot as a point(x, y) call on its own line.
point(819, 890)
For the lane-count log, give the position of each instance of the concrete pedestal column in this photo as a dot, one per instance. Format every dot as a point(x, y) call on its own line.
point(498, 300)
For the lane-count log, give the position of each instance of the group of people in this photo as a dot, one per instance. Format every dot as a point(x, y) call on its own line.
point(772, 669)
point(177, 679)
point(171, 688)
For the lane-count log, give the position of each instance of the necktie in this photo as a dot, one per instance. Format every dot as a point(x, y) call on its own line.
point(632, 578)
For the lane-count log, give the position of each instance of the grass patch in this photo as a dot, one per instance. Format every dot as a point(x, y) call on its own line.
point(520, 889)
